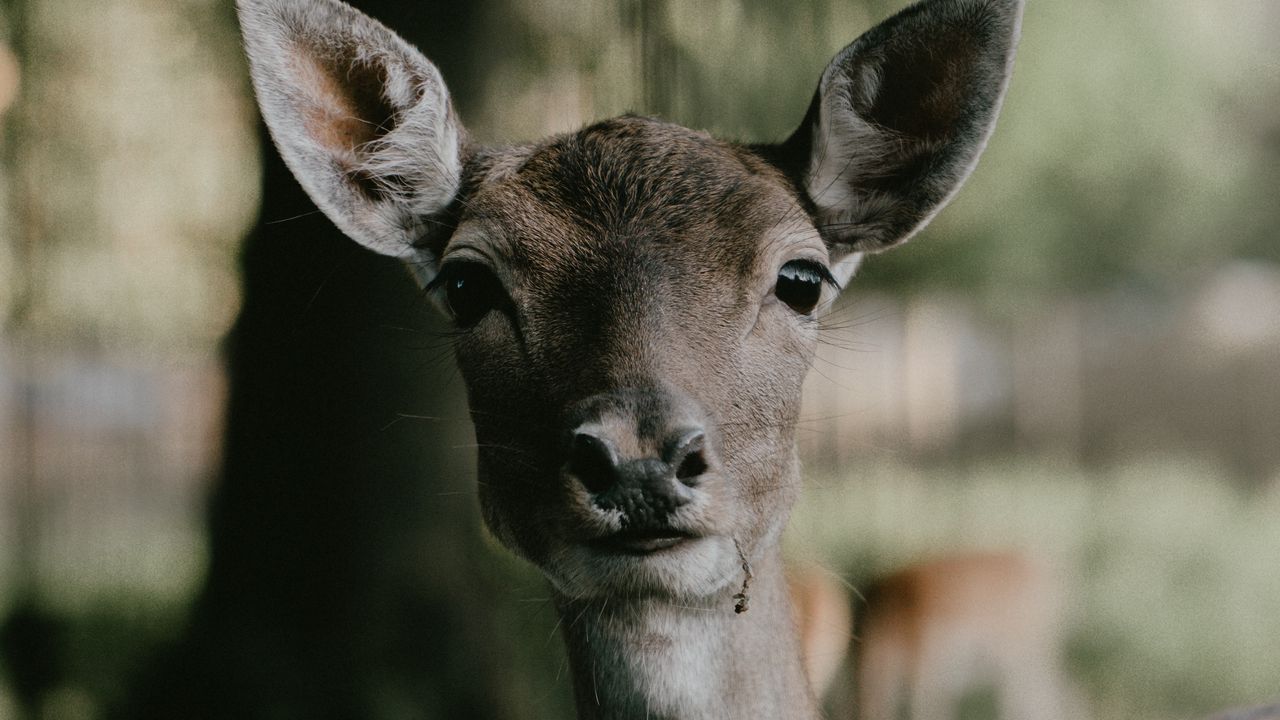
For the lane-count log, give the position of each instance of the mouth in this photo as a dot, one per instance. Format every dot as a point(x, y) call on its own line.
point(657, 561)
point(642, 542)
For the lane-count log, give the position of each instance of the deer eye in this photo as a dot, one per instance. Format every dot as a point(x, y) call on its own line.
point(800, 284)
point(471, 290)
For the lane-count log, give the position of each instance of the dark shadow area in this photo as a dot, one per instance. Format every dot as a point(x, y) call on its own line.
point(346, 575)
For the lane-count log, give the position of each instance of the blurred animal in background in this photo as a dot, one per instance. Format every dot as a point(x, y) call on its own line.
point(970, 635)
point(970, 629)
point(823, 609)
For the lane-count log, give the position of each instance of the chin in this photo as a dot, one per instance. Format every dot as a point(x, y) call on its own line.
point(693, 569)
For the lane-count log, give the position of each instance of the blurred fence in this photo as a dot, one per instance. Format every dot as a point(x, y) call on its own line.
point(1089, 378)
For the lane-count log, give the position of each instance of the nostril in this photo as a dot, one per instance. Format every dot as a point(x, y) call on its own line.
point(690, 457)
point(593, 462)
point(693, 465)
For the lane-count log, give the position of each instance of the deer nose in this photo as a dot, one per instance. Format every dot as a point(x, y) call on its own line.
point(645, 489)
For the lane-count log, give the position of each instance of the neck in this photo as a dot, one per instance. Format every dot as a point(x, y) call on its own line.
point(650, 658)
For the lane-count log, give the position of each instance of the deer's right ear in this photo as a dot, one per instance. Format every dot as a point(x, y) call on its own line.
point(899, 120)
point(362, 119)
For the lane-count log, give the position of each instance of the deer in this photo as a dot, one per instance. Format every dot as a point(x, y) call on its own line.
point(635, 307)
point(931, 633)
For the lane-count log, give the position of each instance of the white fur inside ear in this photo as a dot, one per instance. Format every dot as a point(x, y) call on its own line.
point(845, 146)
point(843, 269)
point(418, 163)
point(362, 119)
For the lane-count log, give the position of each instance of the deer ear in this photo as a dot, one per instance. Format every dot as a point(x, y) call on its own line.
point(362, 119)
point(899, 120)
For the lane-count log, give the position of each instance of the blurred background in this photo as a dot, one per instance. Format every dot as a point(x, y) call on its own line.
point(235, 466)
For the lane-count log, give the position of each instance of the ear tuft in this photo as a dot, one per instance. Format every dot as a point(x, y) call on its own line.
point(900, 118)
point(363, 120)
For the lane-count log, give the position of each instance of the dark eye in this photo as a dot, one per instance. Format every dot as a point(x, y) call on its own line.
point(800, 284)
point(471, 291)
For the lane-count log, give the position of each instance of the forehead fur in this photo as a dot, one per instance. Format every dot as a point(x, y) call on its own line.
point(632, 170)
point(632, 179)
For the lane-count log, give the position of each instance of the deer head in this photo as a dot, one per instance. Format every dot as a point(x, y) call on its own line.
point(636, 303)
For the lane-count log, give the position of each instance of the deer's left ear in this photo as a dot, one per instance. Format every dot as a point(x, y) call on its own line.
point(899, 120)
